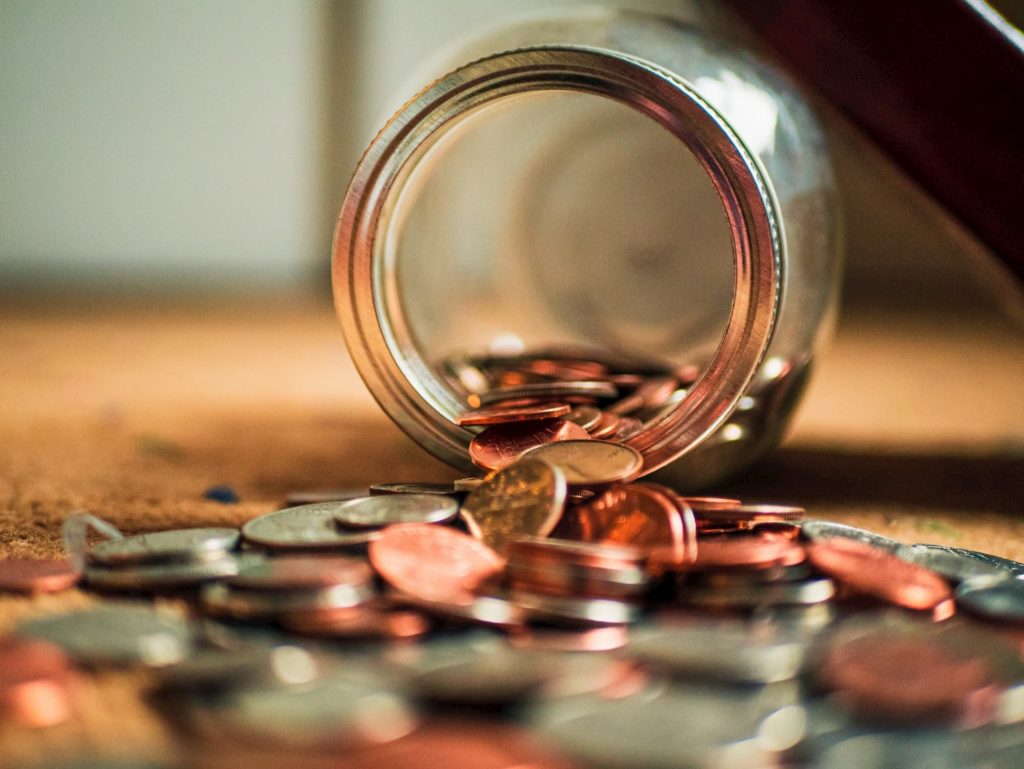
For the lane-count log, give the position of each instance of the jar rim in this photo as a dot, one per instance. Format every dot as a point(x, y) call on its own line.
point(407, 387)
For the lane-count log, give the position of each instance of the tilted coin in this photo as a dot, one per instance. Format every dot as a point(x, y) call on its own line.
point(35, 682)
point(1000, 597)
point(309, 527)
point(172, 545)
point(948, 562)
point(497, 416)
point(432, 562)
point(547, 390)
point(301, 572)
point(815, 530)
point(523, 499)
point(589, 462)
point(375, 512)
point(36, 575)
point(499, 446)
point(160, 575)
point(237, 603)
point(419, 487)
point(115, 635)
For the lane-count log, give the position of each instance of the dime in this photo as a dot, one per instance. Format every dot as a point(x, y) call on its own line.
point(442, 489)
point(818, 530)
point(524, 499)
point(500, 445)
point(172, 545)
point(36, 575)
point(115, 635)
point(306, 572)
point(949, 562)
point(309, 527)
point(432, 562)
point(160, 575)
point(627, 428)
point(589, 462)
point(553, 391)
point(497, 416)
point(998, 598)
point(375, 512)
point(35, 678)
point(876, 572)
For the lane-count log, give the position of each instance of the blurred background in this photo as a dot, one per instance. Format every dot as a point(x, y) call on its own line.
point(161, 147)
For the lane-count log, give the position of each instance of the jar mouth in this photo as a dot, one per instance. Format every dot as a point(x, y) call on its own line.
point(408, 387)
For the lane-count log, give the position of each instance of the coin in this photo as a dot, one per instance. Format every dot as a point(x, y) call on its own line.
point(998, 598)
point(497, 676)
point(35, 679)
point(552, 639)
point(751, 551)
point(443, 489)
point(523, 499)
point(432, 562)
point(816, 530)
point(589, 462)
point(299, 498)
point(586, 417)
point(309, 527)
point(160, 575)
point(872, 571)
point(806, 592)
point(466, 485)
point(360, 623)
point(653, 391)
point(497, 416)
point(949, 562)
point(375, 512)
point(484, 610)
point(223, 600)
point(36, 575)
point(552, 391)
point(216, 670)
point(575, 611)
point(116, 635)
point(748, 514)
point(606, 426)
point(500, 445)
point(305, 572)
point(172, 545)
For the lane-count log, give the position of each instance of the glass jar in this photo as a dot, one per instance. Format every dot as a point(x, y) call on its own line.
point(605, 179)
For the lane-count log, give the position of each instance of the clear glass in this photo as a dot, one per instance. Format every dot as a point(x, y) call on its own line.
point(606, 179)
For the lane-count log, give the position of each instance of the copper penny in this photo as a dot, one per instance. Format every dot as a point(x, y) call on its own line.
point(748, 514)
point(500, 445)
point(637, 515)
point(754, 551)
point(359, 622)
point(653, 391)
point(872, 571)
point(899, 676)
point(35, 678)
point(662, 558)
point(31, 575)
point(497, 416)
point(606, 426)
point(433, 562)
point(700, 504)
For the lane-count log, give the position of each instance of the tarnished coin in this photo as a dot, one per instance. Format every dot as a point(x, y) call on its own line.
point(35, 679)
point(237, 603)
point(589, 462)
point(497, 416)
point(36, 575)
point(419, 487)
point(499, 446)
point(816, 530)
point(301, 572)
point(117, 635)
point(309, 527)
point(432, 562)
point(867, 569)
point(949, 562)
point(993, 597)
point(375, 512)
point(552, 391)
point(159, 576)
point(172, 545)
point(523, 500)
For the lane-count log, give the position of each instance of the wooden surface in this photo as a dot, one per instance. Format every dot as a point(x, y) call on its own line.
point(913, 427)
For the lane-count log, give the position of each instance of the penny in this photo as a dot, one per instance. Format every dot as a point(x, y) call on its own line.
point(36, 575)
point(575, 611)
point(627, 428)
point(651, 392)
point(484, 610)
point(873, 571)
point(226, 601)
point(432, 562)
point(306, 572)
point(172, 545)
point(749, 514)
point(524, 499)
point(587, 417)
point(818, 530)
point(700, 504)
point(159, 576)
point(606, 426)
point(596, 639)
point(442, 489)
point(545, 550)
point(550, 390)
point(308, 527)
point(114, 634)
point(749, 552)
point(375, 512)
point(360, 623)
point(589, 462)
point(35, 680)
point(636, 515)
point(580, 581)
point(497, 416)
point(465, 485)
point(998, 598)
point(498, 676)
point(500, 445)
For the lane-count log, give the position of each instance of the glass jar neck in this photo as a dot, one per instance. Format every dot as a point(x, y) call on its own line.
point(368, 302)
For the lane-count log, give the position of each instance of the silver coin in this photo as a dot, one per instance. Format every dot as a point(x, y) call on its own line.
point(948, 562)
point(440, 489)
point(996, 561)
point(216, 670)
point(172, 545)
point(731, 651)
point(544, 390)
point(484, 610)
point(801, 593)
point(115, 635)
point(589, 462)
point(575, 611)
point(301, 572)
point(299, 498)
point(309, 527)
point(500, 677)
point(999, 598)
point(375, 512)
point(826, 529)
point(160, 575)
point(224, 601)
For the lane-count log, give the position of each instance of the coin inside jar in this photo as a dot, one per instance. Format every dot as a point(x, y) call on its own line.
point(497, 416)
point(589, 462)
point(381, 510)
